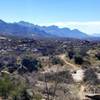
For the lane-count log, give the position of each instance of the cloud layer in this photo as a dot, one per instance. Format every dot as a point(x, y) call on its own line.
point(91, 27)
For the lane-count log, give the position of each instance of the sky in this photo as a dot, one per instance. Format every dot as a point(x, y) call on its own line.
point(81, 14)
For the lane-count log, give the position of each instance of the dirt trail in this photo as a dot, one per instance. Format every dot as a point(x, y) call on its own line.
point(63, 57)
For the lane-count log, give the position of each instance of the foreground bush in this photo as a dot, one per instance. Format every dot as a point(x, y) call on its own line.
point(10, 88)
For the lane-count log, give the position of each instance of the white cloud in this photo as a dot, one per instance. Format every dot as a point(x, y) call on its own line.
point(87, 27)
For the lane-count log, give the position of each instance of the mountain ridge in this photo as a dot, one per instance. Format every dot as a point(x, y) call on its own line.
point(26, 29)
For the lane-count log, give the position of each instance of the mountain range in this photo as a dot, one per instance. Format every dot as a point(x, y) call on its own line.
point(25, 29)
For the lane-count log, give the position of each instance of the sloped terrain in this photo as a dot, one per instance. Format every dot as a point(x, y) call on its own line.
point(50, 69)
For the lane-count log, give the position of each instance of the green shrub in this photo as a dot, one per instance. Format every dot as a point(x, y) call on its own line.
point(78, 59)
point(10, 88)
point(6, 86)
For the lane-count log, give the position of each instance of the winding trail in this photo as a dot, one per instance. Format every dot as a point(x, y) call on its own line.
point(63, 58)
point(74, 67)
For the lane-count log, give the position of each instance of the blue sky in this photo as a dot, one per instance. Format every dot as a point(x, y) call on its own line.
point(81, 14)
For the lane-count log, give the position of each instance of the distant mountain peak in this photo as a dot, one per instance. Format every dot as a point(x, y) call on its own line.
point(24, 23)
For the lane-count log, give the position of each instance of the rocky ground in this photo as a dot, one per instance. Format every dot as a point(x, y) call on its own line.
point(62, 69)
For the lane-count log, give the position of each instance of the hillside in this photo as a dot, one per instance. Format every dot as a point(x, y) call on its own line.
point(25, 29)
point(49, 69)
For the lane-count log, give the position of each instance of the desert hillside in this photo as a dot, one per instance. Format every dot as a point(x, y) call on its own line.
point(49, 69)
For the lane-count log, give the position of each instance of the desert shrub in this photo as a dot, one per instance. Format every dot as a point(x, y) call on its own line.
point(78, 59)
point(71, 54)
point(86, 64)
point(91, 77)
point(23, 96)
point(37, 97)
point(64, 76)
point(31, 64)
point(83, 50)
point(12, 88)
point(5, 86)
point(18, 91)
point(56, 61)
